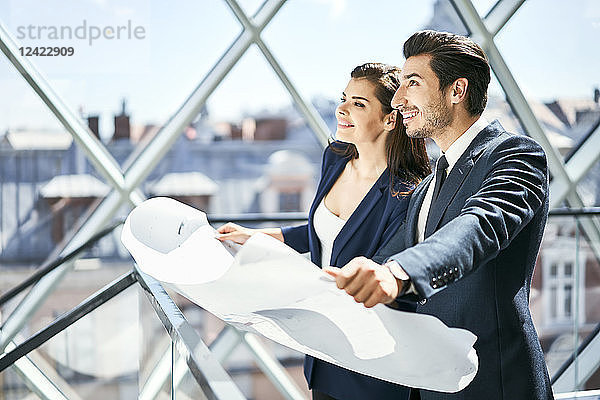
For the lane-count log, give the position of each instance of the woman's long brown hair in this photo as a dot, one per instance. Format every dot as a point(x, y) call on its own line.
point(407, 158)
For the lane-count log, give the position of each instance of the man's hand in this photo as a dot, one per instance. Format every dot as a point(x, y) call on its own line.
point(368, 282)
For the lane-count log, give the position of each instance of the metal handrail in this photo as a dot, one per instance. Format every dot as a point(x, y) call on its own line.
point(259, 217)
point(207, 371)
point(182, 334)
point(221, 218)
point(574, 212)
point(582, 141)
point(588, 339)
point(579, 395)
point(67, 319)
point(299, 216)
point(57, 262)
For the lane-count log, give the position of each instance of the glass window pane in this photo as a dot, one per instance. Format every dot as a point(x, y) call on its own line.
point(568, 301)
point(553, 300)
point(155, 357)
point(569, 109)
point(134, 63)
point(13, 387)
point(96, 357)
point(289, 201)
point(572, 308)
point(568, 269)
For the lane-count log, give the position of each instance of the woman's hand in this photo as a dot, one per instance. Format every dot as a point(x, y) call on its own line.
point(239, 234)
point(234, 232)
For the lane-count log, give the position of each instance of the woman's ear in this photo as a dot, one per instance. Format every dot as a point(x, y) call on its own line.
point(390, 120)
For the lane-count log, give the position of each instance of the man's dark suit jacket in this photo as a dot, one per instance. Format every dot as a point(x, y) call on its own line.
point(370, 227)
point(475, 265)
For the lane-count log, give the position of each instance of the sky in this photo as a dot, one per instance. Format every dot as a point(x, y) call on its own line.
point(548, 44)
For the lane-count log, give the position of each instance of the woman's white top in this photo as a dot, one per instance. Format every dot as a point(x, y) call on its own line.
point(327, 227)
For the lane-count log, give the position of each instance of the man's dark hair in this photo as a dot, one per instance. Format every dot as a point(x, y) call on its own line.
point(452, 57)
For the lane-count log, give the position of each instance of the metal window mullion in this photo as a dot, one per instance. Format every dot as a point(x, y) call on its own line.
point(250, 33)
point(514, 96)
point(164, 368)
point(203, 366)
point(500, 14)
point(314, 119)
point(163, 141)
point(36, 380)
point(310, 113)
point(243, 18)
point(157, 378)
point(588, 360)
point(589, 225)
point(312, 116)
point(221, 348)
point(579, 164)
point(521, 108)
point(524, 113)
point(582, 394)
point(38, 294)
point(229, 338)
point(67, 319)
point(266, 12)
point(96, 152)
point(271, 367)
point(577, 370)
point(224, 344)
point(166, 137)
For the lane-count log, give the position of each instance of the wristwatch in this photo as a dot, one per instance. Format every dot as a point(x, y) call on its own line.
point(399, 274)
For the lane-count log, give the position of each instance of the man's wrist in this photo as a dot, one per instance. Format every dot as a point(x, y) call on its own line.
point(400, 275)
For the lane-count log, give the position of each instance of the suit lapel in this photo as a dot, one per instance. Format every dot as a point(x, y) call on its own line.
point(451, 186)
point(457, 176)
point(360, 214)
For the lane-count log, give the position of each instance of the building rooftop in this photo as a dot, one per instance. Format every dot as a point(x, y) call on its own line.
point(74, 186)
point(37, 140)
point(184, 184)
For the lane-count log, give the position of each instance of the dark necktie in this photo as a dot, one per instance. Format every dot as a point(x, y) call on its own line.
point(440, 176)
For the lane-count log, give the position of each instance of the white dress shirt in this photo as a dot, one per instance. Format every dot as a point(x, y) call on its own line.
point(453, 153)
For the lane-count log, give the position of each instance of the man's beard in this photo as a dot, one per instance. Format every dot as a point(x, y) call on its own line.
point(437, 117)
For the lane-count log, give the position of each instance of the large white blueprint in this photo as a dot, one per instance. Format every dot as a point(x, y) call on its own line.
point(270, 289)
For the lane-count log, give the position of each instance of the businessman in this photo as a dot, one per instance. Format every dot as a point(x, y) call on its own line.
point(473, 228)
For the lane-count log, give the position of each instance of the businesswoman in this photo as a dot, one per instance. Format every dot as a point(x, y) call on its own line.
point(367, 175)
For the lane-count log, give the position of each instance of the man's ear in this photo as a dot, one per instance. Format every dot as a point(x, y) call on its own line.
point(458, 90)
point(390, 120)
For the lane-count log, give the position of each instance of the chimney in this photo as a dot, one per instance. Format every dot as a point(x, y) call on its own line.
point(93, 121)
point(122, 128)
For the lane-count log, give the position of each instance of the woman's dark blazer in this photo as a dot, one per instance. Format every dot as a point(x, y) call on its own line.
point(372, 224)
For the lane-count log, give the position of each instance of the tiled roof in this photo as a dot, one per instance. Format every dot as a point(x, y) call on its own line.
point(184, 184)
point(74, 186)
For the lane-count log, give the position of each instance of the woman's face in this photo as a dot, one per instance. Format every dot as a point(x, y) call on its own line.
point(360, 118)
